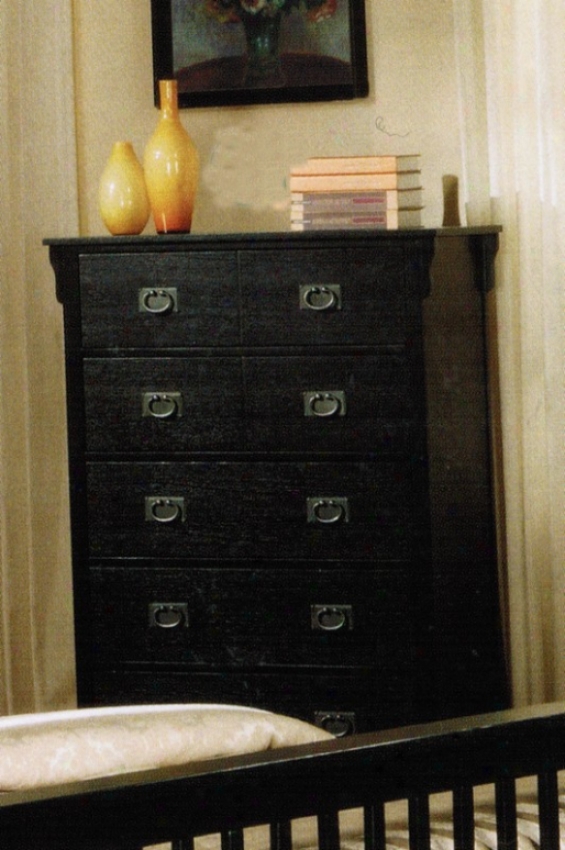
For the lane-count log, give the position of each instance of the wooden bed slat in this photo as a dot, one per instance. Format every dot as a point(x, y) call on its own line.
point(328, 831)
point(232, 839)
point(463, 818)
point(548, 802)
point(506, 826)
point(374, 825)
point(419, 821)
point(281, 836)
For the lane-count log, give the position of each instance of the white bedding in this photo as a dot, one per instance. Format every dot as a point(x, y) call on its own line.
point(38, 750)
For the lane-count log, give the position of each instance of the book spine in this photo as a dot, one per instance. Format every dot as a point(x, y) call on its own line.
point(363, 182)
point(344, 222)
point(344, 202)
point(391, 199)
point(300, 226)
point(354, 182)
point(358, 164)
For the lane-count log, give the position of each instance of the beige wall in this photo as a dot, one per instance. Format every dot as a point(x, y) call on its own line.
point(412, 107)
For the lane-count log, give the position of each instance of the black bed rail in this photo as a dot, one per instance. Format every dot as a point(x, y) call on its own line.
point(224, 795)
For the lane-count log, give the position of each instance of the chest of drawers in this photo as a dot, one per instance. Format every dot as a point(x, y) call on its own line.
point(249, 472)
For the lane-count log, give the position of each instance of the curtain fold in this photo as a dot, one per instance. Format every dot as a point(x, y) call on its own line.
point(510, 75)
point(37, 198)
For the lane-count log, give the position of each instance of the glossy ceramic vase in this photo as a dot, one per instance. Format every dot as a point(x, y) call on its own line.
point(171, 165)
point(263, 62)
point(122, 196)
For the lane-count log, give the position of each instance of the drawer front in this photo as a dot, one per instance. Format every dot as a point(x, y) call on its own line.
point(328, 296)
point(163, 404)
point(154, 300)
point(330, 404)
point(252, 618)
point(342, 703)
point(303, 511)
point(312, 404)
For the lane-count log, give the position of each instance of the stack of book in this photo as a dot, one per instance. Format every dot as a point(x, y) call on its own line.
point(346, 192)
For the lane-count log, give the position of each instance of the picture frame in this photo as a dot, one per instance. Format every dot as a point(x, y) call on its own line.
point(223, 55)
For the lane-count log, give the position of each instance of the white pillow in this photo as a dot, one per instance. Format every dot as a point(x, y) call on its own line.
point(66, 746)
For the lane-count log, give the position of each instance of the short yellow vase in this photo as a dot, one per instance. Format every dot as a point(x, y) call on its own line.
point(171, 164)
point(122, 196)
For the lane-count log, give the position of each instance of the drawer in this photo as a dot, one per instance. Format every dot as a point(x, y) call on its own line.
point(342, 703)
point(153, 300)
point(287, 510)
point(311, 404)
point(252, 618)
point(331, 404)
point(163, 404)
point(329, 296)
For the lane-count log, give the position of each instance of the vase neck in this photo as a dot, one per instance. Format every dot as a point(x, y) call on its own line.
point(122, 148)
point(168, 98)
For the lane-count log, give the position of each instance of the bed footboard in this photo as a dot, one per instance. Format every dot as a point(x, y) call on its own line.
point(364, 772)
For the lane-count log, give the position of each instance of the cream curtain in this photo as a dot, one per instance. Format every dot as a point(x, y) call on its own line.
point(37, 198)
point(511, 74)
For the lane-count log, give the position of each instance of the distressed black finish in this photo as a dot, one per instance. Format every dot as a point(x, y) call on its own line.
point(250, 441)
point(254, 618)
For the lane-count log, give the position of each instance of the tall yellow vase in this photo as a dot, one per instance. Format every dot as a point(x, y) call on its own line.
point(122, 196)
point(171, 165)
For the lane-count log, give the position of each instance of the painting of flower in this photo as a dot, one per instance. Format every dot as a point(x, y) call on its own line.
point(225, 52)
point(232, 10)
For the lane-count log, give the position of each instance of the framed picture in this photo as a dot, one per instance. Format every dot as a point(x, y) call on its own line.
point(228, 52)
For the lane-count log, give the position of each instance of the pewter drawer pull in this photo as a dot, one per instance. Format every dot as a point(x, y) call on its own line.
point(339, 723)
point(331, 618)
point(158, 301)
point(327, 510)
point(164, 509)
point(320, 299)
point(324, 404)
point(161, 405)
point(168, 615)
